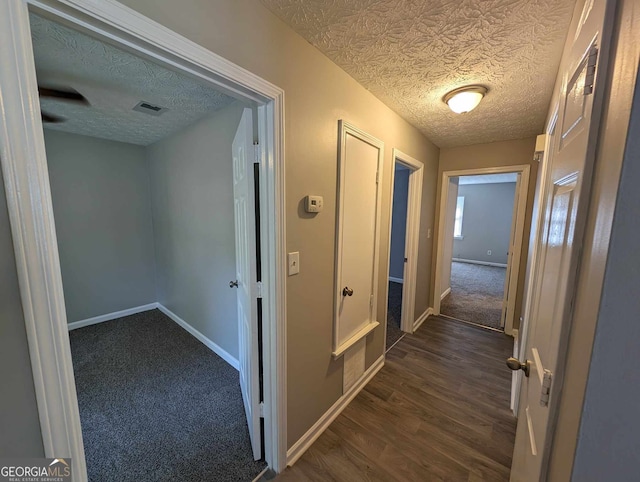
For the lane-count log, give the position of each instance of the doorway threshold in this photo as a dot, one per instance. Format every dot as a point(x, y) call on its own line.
point(395, 343)
point(489, 328)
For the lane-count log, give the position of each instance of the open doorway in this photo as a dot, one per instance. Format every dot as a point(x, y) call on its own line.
point(32, 212)
point(479, 245)
point(476, 270)
point(152, 183)
point(404, 226)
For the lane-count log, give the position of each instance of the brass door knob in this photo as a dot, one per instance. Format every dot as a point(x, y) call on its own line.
point(515, 364)
point(347, 291)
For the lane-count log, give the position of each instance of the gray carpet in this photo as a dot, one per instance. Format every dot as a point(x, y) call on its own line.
point(394, 313)
point(476, 294)
point(157, 405)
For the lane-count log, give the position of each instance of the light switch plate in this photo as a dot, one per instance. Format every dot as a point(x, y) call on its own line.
point(294, 263)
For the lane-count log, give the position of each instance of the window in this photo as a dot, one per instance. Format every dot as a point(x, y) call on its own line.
point(457, 226)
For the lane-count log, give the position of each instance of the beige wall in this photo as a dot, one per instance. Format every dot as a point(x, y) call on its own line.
point(496, 154)
point(317, 94)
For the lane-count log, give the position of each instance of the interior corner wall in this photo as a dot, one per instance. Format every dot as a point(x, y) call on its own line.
point(191, 177)
point(102, 209)
point(486, 225)
point(496, 154)
point(447, 251)
point(317, 94)
point(399, 223)
point(20, 434)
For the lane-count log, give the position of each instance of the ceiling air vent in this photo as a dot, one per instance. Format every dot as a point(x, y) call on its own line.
point(150, 109)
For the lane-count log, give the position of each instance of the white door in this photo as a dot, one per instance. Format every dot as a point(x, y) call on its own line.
point(246, 276)
point(564, 211)
point(358, 233)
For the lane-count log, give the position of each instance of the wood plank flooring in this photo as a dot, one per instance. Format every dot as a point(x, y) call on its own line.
point(438, 410)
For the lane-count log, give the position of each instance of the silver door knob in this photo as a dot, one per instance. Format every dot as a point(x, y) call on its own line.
point(347, 291)
point(515, 364)
point(233, 284)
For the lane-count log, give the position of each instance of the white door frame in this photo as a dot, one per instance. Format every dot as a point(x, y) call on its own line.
point(412, 237)
point(514, 267)
point(24, 167)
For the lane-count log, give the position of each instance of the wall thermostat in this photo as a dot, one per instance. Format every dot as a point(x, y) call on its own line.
point(313, 204)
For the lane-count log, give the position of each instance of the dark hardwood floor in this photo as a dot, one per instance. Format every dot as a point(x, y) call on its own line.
point(438, 410)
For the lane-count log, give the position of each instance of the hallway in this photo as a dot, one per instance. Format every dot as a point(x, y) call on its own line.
point(438, 410)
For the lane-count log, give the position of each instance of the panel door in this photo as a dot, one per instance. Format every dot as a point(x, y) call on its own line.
point(246, 276)
point(566, 201)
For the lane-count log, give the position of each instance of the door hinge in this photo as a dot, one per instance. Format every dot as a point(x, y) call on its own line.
point(256, 153)
point(377, 177)
point(261, 407)
point(259, 289)
point(545, 391)
point(590, 76)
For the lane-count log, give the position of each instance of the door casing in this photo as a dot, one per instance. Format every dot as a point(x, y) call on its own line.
point(414, 206)
point(24, 167)
point(514, 261)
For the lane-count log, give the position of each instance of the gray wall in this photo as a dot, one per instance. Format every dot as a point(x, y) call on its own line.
point(19, 425)
point(609, 438)
point(102, 210)
point(193, 222)
point(399, 222)
point(486, 224)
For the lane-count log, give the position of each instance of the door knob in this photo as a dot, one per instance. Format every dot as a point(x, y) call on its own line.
point(347, 291)
point(515, 364)
point(233, 284)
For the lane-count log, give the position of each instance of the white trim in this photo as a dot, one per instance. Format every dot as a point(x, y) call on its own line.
point(535, 240)
point(421, 319)
point(345, 129)
point(355, 338)
point(300, 447)
point(515, 374)
point(214, 347)
point(483, 263)
point(446, 293)
point(24, 167)
point(412, 237)
point(513, 266)
point(111, 316)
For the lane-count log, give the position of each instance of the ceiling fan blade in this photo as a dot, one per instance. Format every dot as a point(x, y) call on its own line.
point(51, 119)
point(68, 95)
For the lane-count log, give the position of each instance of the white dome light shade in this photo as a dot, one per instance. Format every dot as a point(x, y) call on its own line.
point(465, 99)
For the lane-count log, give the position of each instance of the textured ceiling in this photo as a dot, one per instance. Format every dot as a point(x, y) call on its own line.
point(410, 53)
point(114, 81)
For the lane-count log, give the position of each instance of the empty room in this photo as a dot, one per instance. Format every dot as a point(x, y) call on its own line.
point(146, 169)
point(475, 287)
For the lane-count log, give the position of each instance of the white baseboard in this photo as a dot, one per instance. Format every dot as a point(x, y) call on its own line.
point(446, 293)
point(217, 349)
point(301, 446)
point(111, 316)
point(421, 318)
point(396, 280)
point(484, 263)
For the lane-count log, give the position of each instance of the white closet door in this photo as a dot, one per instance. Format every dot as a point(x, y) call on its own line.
point(358, 236)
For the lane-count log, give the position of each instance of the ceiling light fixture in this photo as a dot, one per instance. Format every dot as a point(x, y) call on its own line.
point(465, 99)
